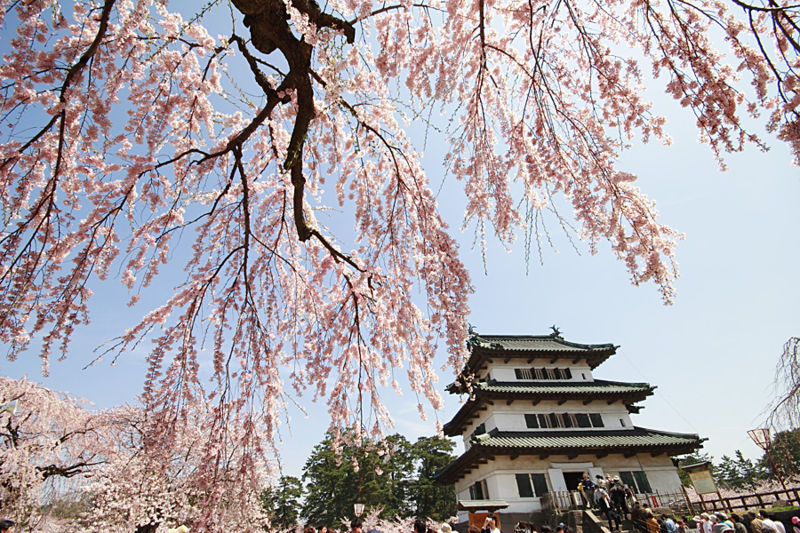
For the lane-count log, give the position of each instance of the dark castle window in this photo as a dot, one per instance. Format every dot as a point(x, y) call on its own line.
point(543, 374)
point(563, 420)
point(531, 485)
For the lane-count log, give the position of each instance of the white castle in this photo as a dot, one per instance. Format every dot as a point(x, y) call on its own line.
point(536, 420)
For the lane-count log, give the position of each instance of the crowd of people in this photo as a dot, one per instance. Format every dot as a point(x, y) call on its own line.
point(615, 502)
point(612, 499)
point(610, 496)
point(719, 522)
point(641, 516)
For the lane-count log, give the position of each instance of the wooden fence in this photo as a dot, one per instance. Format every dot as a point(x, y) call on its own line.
point(680, 503)
point(755, 500)
point(563, 500)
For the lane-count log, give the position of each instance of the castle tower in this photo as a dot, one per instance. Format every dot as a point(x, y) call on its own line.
point(536, 420)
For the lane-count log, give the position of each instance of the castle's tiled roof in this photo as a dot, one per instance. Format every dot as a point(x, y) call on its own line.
point(586, 391)
point(482, 505)
point(563, 387)
point(571, 443)
point(535, 343)
point(584, 439)
point(484, 347)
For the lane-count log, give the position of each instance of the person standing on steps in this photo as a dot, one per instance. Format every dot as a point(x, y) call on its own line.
point(588, 490)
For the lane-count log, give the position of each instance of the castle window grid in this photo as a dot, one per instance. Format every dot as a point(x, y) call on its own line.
point(533, 485)
point(564, 420)
point(479, 490)
point(542, 374)
point(637, 480)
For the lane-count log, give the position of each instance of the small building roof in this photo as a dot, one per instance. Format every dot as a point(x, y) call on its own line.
point(484, 392)
point(571, 443)
point(482, 505)
point(553, 346)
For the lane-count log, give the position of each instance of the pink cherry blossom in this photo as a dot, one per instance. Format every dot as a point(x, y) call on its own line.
point(277, 168)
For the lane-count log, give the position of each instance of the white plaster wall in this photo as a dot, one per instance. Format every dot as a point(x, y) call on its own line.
point(501, 482)
point(512, 417)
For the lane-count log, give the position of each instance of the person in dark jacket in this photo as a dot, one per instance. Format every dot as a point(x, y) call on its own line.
point(587, 488)
point(604, 502)
point(617, 493)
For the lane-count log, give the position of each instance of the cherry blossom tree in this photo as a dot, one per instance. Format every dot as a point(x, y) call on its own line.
point(130, 475)
point(46, 437)
point(784, 412)
point(279, 164)
point(153, 479)
point(775, 26)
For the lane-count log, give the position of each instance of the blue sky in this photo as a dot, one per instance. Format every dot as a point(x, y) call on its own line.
point(712, 354)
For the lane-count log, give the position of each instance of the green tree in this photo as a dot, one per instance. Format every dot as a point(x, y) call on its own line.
point(738, 472)
point(785, 452)
point(382, 478)
point(398, 475)
point(431, 499)
point(283, 502)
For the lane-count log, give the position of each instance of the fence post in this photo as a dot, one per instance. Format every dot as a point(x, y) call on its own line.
point(721, 504)
point(687, 500)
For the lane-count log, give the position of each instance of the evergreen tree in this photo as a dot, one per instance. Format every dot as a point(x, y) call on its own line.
point(393, 474)
point(738, 473)
point(785, 452)
point(283, 502)
point(431, 499)
point(334, 483)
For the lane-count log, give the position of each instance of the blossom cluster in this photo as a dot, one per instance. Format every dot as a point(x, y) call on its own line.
point(275, 180)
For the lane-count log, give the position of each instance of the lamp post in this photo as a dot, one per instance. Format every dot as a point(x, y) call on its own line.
point(358, 509)
point(761, 437)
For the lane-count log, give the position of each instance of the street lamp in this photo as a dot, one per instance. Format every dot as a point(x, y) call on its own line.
point(761, 437)
point(358, 509)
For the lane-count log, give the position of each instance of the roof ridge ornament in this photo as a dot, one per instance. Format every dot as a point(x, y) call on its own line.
point(556, 332)
point(473, 337)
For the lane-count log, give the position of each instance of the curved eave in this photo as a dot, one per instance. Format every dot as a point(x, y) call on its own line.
point(509, 394)
point(533, 348)
point(600, 443)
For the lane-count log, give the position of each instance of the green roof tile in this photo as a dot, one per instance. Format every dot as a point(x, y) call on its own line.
point(561, 442)
point(484, 347)
point(628, 393)
point(585, 439)
point(538, 343)
point(598, 386)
